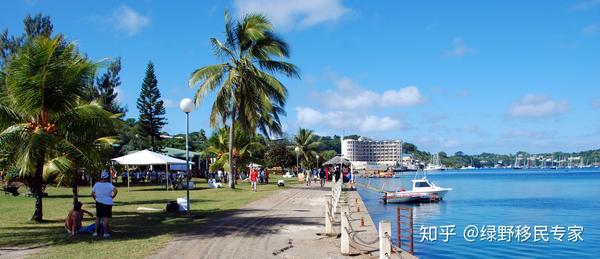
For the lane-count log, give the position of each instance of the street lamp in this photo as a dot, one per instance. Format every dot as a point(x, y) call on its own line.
point(186, 105)
point(317, 161)
point(297, 149)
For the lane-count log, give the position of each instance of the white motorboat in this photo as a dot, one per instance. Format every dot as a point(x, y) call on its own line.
point(422, 191)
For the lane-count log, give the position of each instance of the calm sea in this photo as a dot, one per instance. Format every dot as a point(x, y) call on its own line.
point(499, 197)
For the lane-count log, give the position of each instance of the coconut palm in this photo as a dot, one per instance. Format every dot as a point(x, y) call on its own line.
point(246, 147)
point(248, 92)
point(42, 114)
point(308, 144)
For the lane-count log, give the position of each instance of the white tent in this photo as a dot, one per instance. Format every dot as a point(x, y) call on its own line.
point(253, 165)
point(147, 157)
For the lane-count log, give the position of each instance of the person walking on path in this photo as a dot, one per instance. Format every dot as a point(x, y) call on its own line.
point(103, 192)
point(253, 178)
point(308, 177)
point(322, 177)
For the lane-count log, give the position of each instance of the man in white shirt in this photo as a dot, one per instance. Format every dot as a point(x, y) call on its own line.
point(104, 193)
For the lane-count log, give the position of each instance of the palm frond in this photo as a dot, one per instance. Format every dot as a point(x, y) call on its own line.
point(8, 116)
point(288, 69)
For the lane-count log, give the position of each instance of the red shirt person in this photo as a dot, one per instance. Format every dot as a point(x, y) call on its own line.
point(253, 178)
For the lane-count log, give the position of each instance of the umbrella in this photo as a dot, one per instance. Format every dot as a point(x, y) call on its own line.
point(336, 160)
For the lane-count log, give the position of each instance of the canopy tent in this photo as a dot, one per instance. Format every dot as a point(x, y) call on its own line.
point(147, 157)
point(254, 165)
point(336, 160)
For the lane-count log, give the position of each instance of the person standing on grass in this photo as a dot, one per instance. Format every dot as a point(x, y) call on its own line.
point(103, 192)
point(253, 178)
point(266, 176)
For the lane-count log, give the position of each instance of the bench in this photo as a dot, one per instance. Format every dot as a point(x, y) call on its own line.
point(11, 189)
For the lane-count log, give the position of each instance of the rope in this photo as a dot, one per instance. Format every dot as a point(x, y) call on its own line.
point(355, 237)
point(395, 248)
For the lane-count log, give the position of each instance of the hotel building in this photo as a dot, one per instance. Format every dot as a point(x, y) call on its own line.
point(364, 151)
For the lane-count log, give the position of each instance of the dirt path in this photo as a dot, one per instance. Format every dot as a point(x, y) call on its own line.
point(19, 252)
point(284, 225)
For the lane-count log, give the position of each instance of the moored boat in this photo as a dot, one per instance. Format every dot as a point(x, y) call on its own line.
point(422, 191)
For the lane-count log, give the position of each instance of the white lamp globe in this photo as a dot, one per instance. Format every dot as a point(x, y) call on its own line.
point(186, 105)
point(297, 149)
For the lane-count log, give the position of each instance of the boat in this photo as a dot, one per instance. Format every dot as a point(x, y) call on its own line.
point(423, 190)
point(517, 165)
point(435, 164)
point(403, 168)
point(469, 167)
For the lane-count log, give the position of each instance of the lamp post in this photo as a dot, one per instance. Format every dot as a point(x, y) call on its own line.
point(297, 149)
point(317, 161)
point(186, 105)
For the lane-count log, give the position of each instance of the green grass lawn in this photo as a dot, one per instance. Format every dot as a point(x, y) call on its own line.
point(135, 234)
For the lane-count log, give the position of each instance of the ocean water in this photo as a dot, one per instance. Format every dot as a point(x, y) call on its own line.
point(489, 198)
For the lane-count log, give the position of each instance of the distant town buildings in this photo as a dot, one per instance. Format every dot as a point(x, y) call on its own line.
point(365, 151)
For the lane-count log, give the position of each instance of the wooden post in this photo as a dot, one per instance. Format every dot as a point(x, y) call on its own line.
point(385, 249)
point(345, 238)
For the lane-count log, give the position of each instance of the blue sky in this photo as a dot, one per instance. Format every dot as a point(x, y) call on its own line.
point(475, 76)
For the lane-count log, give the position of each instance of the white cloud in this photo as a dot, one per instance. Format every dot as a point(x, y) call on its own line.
point(373, 123)
point(307, 117)
point(407, 96)
point(128, 20)
point(537, 106)
point(585, 5)
point(350, 96)
point(591, 29)
point(121, 96)
point(292, 14)
point(170, 103)
point(459, 48)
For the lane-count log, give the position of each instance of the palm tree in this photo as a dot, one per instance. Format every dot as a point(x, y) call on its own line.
point(307, 143)
point(248, 94)
point(42, 113)
point(246, 147)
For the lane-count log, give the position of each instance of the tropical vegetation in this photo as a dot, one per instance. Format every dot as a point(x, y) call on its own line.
point(151, 110)
point(305, 144)
point(47, 125)
point(248, 92)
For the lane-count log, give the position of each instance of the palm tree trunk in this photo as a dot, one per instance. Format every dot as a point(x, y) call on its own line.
point(230, 173)
point(74, 188)
point(37, 189)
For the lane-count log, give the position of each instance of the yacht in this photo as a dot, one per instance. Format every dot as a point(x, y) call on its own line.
point(423, 190)
point(435, 164)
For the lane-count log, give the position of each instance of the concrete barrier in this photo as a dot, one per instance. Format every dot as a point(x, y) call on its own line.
point(345, 237)
point(385, 247)
point(328, 216)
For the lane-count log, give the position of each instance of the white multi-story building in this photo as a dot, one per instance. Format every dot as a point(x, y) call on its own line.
point(364, 151)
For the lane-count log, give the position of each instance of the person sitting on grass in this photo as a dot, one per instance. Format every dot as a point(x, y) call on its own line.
point(73, 220)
